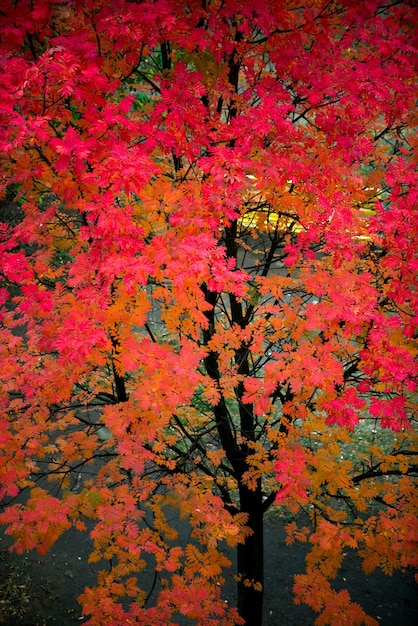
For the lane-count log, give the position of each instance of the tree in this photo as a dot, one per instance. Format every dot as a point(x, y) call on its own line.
point(208, 292)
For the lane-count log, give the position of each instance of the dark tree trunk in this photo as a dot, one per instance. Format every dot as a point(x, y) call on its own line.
point(251, 559)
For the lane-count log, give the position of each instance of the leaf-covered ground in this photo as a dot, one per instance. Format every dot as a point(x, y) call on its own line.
point(47, 587)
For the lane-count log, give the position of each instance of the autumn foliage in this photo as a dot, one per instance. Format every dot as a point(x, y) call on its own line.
point(208, 293)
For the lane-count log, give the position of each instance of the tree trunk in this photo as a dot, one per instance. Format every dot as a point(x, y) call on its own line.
point(251, 559)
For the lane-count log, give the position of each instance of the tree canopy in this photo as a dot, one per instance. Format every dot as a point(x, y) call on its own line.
point(208, 292)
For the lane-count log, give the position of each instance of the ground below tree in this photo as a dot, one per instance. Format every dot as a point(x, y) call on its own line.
point(59, 577)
